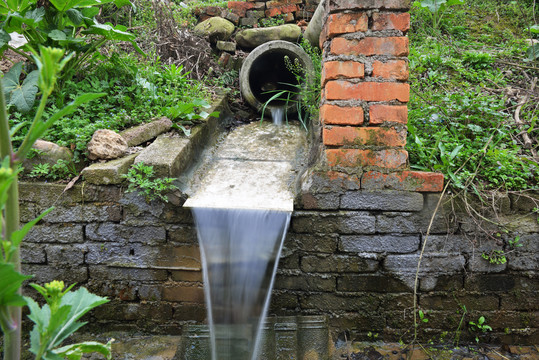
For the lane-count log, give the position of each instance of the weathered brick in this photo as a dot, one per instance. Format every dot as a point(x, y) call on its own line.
point(342, 69)
point(305, 282)
point(459, 244)
point(62, 254)
point(341, 222)
point(85, 213)
point(125, 291)
point(181, 293)
point(441, 283)
point(412, 223)
point(366, 91)
point(189, 312)
point(389, 158)
point(240, 7)
point(47, 273)
point(391, 69)
point(391, 21)
point(476, 264)
point(283, 300)
point(186, 275)
point(382, 200)
point(311, 201)
point(339, 263)
point(281, 10)
point(114, 273)
point(56, 233)
point(335, 302)
point(133, 311)
point(370, 283)
point(403, 180)
point(379, 243)
point(336, 5)
point(341, 115)
point(379, 114)
point(441, 263)
point(182, 234)
point(342, 23)
point(472, 302)
point(278, 3)
point(491, 283)
point(320, 243)
point(369, 46)
point(356, 136)
point(523, 261)
point(120, 233)
point(32, 254)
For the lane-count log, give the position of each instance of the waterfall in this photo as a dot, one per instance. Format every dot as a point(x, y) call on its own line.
point(240, 251)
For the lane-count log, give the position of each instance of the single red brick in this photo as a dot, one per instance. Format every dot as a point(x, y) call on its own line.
point(367, 91)
point(387, 158)
point(342, 23)
point(281, 10)
point(342, 69)
point(391, 21)
point(392, 69)
point(280, 3)
point(405, 180)
point(373, 136)
point(240, 7)
point(336, 5)
point(393, 46)
point(341, 115)
point(388, 113)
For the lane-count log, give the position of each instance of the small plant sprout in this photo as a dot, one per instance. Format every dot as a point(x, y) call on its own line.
point(479, 327)
point(142, 179)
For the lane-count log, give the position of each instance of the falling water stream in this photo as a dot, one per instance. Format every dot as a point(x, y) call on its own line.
point(277, 115)
point(239, 250)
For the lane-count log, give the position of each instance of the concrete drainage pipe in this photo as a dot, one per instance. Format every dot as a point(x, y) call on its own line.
point(264, 72)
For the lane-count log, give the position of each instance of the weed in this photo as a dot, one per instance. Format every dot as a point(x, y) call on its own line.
point(141, 179)
point(479, 327)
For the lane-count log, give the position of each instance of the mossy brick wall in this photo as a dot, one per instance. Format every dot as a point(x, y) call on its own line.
point(252, 13)
point(354, 261)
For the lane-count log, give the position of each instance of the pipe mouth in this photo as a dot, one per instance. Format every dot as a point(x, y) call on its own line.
point(269, 71)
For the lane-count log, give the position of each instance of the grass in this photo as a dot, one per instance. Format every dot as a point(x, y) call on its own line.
point(467, 79)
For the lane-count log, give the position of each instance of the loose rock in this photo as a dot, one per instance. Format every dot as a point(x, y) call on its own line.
point(215, 28)
point(251, 38)
point(106, 144)
point(49, 153)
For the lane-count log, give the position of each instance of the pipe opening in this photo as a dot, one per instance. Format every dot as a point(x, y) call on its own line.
point(265, 72)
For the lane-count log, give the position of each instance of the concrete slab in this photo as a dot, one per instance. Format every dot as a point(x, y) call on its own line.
point(167, 154)
point(254, 167)
point(109, 172)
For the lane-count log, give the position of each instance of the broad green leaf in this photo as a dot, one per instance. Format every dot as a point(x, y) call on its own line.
point(117, 33)
point(64, 5)
point(5, 38)
point(40, 316)
point(533, 52)
point(81, 301)
point(7, 6)
point(75, 16)
point(57, 35)
point(90, 12)
point(31, 18)
point(455, 2)
point(24, 96)
point(534, 29)
point(10, 81)
point(433, 5)
point(10, 282)
point(85, 347)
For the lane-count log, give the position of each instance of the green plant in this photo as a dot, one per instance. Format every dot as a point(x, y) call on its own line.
point(533, 50)
point(479, 326)
point(437, 8)
point(55, 321)
point(40, 170)
point(272, 21)
point(495, 257)
point(141, 179)
point(422, 316)
point(66, 24)
point(189, 113)
point(50, 63)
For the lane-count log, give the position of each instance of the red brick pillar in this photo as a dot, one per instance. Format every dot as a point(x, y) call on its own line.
point(364, 94)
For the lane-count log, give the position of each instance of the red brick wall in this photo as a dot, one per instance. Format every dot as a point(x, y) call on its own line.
point(363, 112)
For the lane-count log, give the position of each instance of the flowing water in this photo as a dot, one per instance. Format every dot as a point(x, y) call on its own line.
point(240, 250)
point(277, 114)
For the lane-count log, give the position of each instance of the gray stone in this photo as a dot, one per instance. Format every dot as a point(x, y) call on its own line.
point(106, 144)
point(339, 263)
point(460, 244)
point(48, 153)
point(47, 273)
point(62, 254)
point(110, 232)
point(382, 200)
point(109, 172)
point(319, 243)
point(251, 38)
point(523, 261)
point(380, 243)
point(142, 133)
point(476, 263)
point(441, 263)
point(370, 283)
point(249, 21)
point(84, 213)
point(305, 282)
point(32, 254)
point(112, 273)
point(344, 222)
point(227, 46)
point(215, 28)
point(167, 155)
point(61, 233)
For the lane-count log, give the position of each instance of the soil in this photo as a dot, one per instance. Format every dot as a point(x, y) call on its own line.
point(8, 59)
